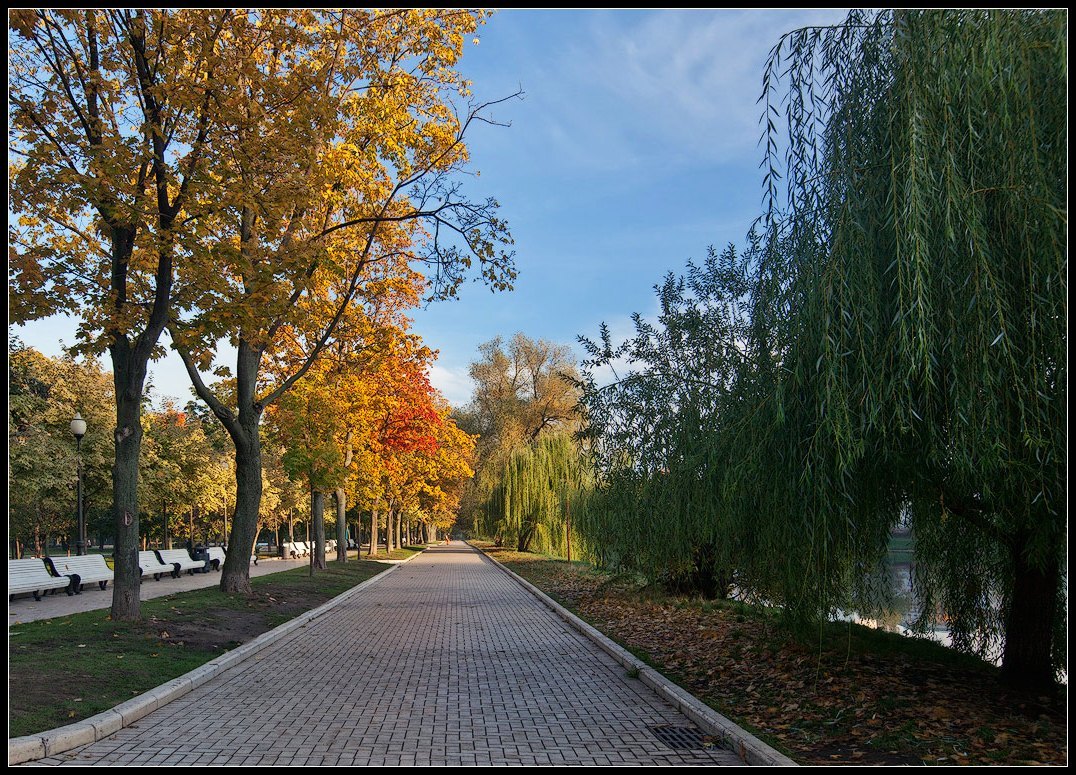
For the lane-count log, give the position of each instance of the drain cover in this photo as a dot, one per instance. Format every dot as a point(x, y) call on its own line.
point(682, 738)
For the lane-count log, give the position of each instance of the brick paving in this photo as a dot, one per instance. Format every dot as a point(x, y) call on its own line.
point(447, 661)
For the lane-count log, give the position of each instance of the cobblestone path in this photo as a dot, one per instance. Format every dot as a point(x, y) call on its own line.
point(446, 661)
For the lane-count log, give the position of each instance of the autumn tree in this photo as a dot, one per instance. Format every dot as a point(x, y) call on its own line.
point(112, 114)
point(307, 421)
point(176, 463)
point(43, 396)
point(404, 422)
point(444, 473)
point(522, 389)
point(341, 171)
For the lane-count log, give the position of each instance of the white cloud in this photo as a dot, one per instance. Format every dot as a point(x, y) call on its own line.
point(682, 83)
point(455, 384)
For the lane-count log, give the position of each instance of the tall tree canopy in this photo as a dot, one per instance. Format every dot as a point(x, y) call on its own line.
point(211, 169)
point(523, 390)
point(341, 182)
point(923, 258)
point(112, 112)
point(891, 351)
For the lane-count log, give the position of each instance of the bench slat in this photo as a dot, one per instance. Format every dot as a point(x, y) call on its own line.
point(32, 575)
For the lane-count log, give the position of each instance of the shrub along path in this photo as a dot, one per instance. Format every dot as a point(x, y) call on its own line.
point(447, 661)
point(848, 695)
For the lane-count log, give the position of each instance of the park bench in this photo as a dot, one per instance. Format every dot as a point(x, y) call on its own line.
point(182, 559)
point(32, 575)
point(150, 564)
point(217, 557)
point(296, 549)
point(87, 568)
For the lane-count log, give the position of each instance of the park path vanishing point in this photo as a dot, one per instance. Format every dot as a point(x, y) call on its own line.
point(447, 661)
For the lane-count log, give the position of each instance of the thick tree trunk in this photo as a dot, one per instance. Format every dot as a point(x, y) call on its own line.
point(1029, 626)
point(235, 576)
point(390, 529)
point(341, 525)
point(373, 533)
point(126, 605)
point(317, 513)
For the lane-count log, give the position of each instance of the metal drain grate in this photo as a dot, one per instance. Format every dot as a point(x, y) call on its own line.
point(682, 738)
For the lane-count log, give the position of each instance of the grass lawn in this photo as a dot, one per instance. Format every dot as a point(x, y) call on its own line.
point(70, 668)
point(845, 694)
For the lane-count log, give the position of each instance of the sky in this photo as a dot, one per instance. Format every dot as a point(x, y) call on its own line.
point(633, 148)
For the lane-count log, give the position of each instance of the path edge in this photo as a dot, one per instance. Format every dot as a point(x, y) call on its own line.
point(735, 738)
point(107, 723)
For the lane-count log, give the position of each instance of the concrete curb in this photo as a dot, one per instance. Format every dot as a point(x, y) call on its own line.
point(54, 741)
point(732, 737)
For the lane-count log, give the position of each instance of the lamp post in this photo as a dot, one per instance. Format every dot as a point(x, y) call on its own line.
point(78, 430)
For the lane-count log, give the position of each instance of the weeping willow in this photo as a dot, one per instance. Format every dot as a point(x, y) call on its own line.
point(911, 321)
point(893, 347)
point(532, 503)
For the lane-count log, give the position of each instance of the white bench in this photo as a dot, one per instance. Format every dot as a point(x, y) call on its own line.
point(217, 557)
point(32, 575)
point(181, 558)
point(90, 569)
point(297, 549)
point(150, 565)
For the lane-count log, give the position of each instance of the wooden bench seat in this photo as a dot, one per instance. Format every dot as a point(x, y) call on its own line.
point(181, 558)
point(151, 565)
point(90, 569)
point(32, 575)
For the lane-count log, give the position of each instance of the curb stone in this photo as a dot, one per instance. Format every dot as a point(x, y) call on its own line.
point(733, 737)
point(106, 723)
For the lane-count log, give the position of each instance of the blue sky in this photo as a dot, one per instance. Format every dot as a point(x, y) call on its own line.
point(634, 148)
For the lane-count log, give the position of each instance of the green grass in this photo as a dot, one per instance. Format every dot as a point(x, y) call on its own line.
point(69, 668)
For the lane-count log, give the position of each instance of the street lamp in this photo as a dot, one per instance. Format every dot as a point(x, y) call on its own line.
point(78, 430)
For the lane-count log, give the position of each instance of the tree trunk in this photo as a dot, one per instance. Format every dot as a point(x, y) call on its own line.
point(390, 529)
point(235, 576)
point(129, 382)
point(374, 519)
point(317, 513)
point(1030, 623)
point(341, 525)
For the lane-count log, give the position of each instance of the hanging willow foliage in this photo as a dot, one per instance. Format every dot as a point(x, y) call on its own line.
point(538, 489)
point(923, 368)
point(897, 349)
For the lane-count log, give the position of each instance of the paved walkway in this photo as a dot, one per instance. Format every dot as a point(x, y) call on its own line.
point(447, 661)
point(25, 609)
